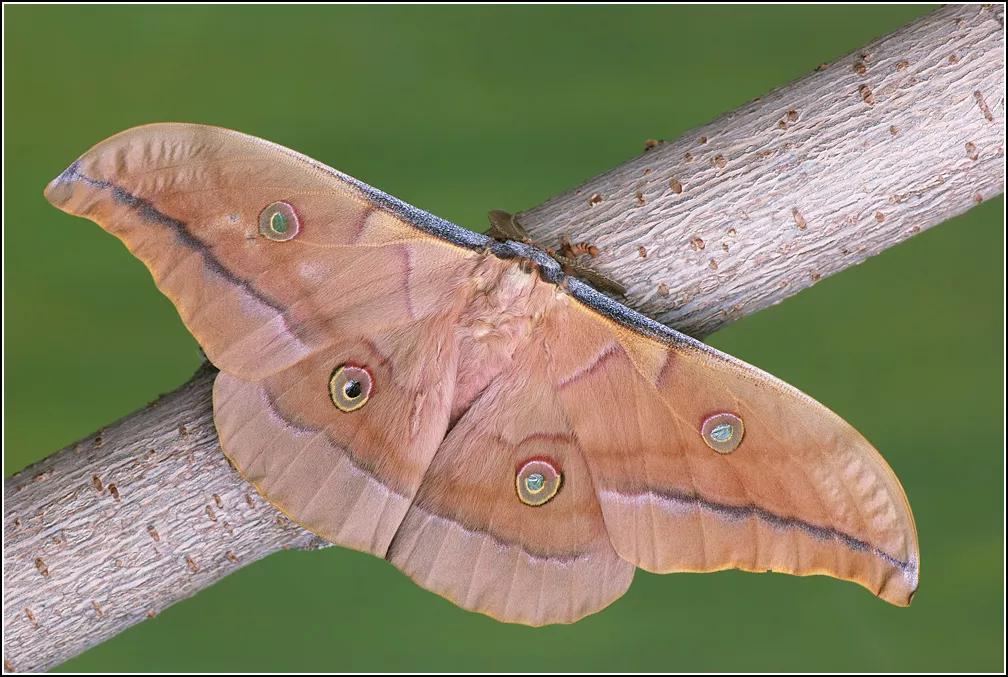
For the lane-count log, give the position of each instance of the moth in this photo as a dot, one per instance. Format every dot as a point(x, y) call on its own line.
point(506, 435)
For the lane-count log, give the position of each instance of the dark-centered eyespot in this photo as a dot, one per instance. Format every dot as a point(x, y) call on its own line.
point(537, 481)
point(723, 432)
point(279, 222)
point(350, 387)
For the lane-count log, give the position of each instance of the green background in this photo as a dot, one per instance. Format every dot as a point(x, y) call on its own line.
point(460, 110)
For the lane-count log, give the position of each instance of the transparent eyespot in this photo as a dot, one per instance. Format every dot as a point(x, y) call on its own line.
point(279, 222)
point(350, 387)
point(723, 432)
point(537, 480)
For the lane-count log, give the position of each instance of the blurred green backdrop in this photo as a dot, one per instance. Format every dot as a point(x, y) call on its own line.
point(459, 110)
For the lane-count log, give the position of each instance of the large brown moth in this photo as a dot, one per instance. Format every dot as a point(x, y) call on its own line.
point(506, 435)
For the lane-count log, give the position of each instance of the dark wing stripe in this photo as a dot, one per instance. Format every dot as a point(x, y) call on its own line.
point(148, 212)
point(736, 513)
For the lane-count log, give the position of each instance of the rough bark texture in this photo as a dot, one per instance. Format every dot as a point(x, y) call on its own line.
point(804, 182)
point(116, 527)
point(809, 180)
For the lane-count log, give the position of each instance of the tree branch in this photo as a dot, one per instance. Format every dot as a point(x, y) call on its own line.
point(732, 217)
point(804, 182)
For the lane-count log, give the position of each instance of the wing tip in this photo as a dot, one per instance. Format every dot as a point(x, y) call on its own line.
point(59, 191)
point(899, 590)
point(901, 598)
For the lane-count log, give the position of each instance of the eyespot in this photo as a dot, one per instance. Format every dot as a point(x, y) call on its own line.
point(537, 480)
point(723, 432)
point(279, 222)
point(350, 387)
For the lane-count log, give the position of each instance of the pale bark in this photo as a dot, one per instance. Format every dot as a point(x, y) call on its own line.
point(887, 142)
point(804, 182)
point(116, 527)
